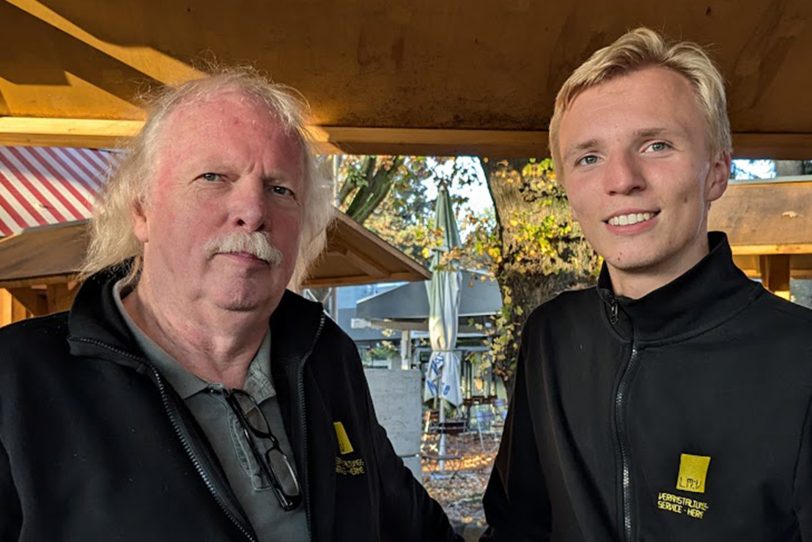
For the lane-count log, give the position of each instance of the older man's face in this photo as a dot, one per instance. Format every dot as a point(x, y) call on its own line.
point(225, 169)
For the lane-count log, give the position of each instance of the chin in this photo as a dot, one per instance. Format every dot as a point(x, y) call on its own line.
point(632, 263)
point(242, 303)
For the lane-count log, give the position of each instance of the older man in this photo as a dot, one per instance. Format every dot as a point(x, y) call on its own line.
point(187, 395)
point(673, 401)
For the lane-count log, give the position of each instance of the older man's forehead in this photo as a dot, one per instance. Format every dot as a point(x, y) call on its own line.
point(201, 108)
point(210, 131)
point(217, 113)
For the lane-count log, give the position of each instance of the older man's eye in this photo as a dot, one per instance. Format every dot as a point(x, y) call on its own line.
point(282, 191)
point(210, 177)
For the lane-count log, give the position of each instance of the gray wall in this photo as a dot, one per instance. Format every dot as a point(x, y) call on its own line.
point(396, 396)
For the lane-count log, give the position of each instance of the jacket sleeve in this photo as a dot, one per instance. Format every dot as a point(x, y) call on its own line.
point(517, 506)
point(9, 501)
point(408, 513)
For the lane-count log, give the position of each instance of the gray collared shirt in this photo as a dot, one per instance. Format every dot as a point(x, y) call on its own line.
point(208, 405)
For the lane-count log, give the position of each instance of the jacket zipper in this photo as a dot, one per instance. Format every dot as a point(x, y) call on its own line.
point(301, 393)
point(613, 311)
point(198, 466)
point(620, 421)
point(176, 426)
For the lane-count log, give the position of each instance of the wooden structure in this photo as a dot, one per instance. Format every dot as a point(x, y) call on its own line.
point(38, 265)
point(392, 77)
point(396, 77)
point(769, 225)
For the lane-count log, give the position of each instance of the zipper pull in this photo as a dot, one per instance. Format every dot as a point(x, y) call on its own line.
point(613, 311)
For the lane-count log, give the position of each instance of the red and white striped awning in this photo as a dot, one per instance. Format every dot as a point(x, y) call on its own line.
point(48, 185)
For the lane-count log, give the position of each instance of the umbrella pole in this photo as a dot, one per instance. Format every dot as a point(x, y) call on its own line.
point(441, 451)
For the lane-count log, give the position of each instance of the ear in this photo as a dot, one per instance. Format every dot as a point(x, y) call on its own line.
point(718, 176)
point(139, 218)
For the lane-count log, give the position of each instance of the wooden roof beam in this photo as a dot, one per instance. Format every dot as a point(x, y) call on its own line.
point(49, 132)
point(108, 133)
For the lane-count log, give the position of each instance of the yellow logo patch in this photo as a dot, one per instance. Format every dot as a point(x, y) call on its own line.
point(350, 467)
point(344, 446)
point(693, 469)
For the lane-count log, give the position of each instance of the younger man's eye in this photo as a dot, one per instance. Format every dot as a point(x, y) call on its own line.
point(587, 160)
point(658, 146)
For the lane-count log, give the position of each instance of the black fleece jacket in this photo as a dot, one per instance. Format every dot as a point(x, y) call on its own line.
point(96, 445)
point(684, 415)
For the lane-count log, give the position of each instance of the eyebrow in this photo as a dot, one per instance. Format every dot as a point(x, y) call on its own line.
point(580, 147)
point(651, 132)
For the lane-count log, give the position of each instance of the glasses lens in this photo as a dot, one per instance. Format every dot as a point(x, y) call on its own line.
point(283, 471)
point(253, 415)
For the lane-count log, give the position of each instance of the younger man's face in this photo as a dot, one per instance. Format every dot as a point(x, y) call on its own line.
point(636, 166)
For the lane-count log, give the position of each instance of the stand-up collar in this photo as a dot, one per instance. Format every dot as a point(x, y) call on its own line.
point(98, 328)
point(703, 297)
point(95, 323)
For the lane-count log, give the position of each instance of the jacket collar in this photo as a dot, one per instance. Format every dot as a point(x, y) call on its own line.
point(295, 325)
point(702, 298)
point(97, 328)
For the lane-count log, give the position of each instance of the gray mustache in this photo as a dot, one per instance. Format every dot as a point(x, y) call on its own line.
point(255, 243)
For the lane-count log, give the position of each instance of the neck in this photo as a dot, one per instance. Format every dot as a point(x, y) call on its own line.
point(217, 346)
point(630, 285)
point(638, 283)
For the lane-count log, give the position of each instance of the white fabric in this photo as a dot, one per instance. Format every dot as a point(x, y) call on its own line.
point(444, 309)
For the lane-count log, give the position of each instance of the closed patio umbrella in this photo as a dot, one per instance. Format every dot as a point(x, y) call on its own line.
point(443, 373)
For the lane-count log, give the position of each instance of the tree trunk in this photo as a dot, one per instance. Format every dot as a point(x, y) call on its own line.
point(378, 179)
point(543, 251)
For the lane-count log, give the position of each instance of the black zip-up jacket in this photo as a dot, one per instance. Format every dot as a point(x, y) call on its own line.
point(681, 416)
point(96, 445)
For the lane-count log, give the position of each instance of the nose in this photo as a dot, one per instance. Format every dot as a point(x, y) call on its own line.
point(624, 175)
point(248, 206)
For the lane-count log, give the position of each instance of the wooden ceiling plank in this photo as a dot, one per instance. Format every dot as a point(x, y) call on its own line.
point(147, 60)
point(109, 133)
point(51, 132)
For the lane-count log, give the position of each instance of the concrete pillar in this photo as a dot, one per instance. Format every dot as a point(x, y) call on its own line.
point(396, 397)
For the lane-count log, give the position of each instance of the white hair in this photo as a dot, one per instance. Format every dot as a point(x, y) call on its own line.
point(113, 243)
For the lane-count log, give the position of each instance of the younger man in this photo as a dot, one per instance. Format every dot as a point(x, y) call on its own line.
point(672, 401)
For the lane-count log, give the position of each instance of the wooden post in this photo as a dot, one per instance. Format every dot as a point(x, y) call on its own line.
point(33, 301)
point(11, 309)
point(5, 307)
point(59, 297)
point(775, 270)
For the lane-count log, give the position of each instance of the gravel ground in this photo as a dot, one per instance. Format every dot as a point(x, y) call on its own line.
point(461, 483)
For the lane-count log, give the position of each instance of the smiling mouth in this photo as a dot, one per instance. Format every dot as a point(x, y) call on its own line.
point(630, 219)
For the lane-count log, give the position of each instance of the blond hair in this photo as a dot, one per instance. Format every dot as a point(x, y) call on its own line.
point(113, 243)
point(641, 48)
